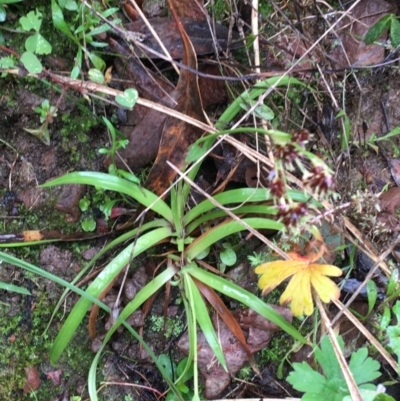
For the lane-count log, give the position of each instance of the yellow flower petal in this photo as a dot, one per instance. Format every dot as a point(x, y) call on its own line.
point(298, 292)
point(326, 289)
point(327, 270)
point(275, 272)
point(279, 264)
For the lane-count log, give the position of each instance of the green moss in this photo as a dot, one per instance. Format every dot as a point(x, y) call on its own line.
point(174, 326)
point(22, 344)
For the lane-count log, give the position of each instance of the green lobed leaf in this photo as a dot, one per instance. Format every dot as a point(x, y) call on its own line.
point(7, 62)
point(363, 368)
point(31, 21)
point(326, 357)
point(305, 379)
point(37, 44)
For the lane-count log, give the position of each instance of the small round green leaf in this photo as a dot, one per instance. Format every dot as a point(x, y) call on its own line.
point(96, 76)
point(88, 225)
point(128, 99)
point(228, 257)
point(71, 5)
point(31, 63)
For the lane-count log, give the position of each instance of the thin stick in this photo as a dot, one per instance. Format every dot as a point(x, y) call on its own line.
point(351, 383)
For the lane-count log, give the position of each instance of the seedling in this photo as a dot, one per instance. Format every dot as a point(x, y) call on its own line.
point(46, 113)
point(34, 44)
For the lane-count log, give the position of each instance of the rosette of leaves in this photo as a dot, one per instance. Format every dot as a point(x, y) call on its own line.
point(188, 243)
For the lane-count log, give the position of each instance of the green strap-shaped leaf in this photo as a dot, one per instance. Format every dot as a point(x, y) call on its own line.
point(100, 284)
point(245, 297)
point(112, 183)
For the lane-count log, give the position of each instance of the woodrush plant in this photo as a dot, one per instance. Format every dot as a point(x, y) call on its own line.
point(180, 227)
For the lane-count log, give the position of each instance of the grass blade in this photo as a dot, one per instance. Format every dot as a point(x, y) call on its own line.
point(99, 284)
point(204, 321)
point(117, 184)
point(150, 288)
point(234, 291)
point(214, 234)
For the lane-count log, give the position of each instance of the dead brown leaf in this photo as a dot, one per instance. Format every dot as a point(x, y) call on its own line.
point(177, 134)
point(258, 332)
point(32, 379)
point(390, 200)
point(190, 9)
point(166, 28)
point(55, 377)
point(352, 30)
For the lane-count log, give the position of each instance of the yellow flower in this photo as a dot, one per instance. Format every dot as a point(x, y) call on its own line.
point(307, 275)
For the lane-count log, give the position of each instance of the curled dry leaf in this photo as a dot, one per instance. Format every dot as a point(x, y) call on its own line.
point(178, 135)
point(306, 276)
